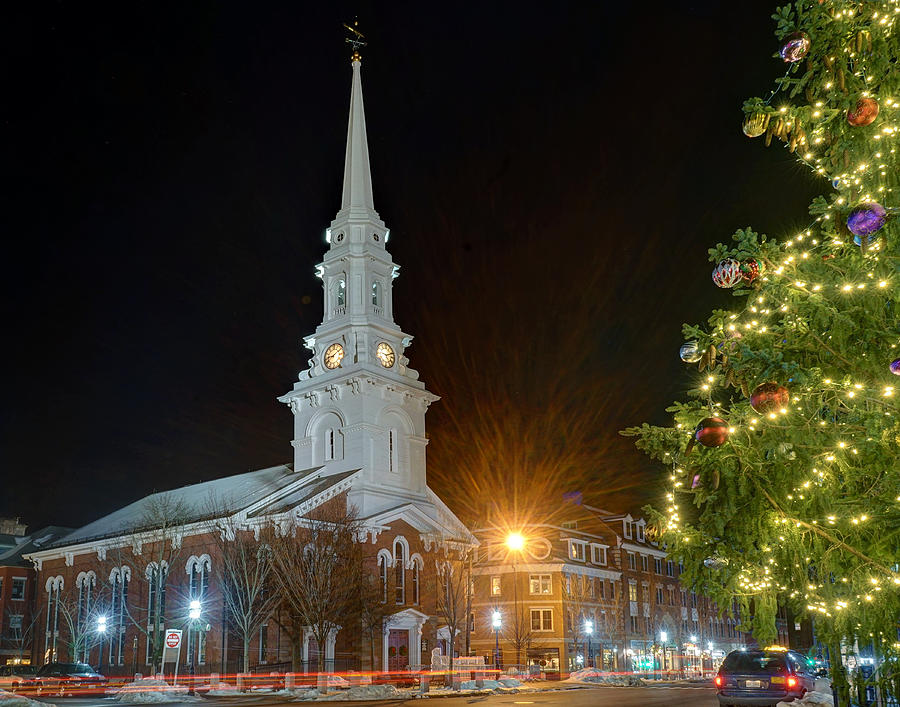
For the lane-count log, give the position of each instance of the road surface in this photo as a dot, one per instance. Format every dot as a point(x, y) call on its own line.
point(663, 696)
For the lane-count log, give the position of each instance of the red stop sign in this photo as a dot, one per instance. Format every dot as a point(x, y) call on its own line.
point(173, 639)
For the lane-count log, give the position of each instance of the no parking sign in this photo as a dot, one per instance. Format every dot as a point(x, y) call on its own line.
point(172, 646)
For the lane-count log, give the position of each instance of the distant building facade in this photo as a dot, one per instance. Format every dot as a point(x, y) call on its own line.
point(592, 589)
point(17, 588)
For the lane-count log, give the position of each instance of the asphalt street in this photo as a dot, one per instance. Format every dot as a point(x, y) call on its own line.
point(670, 696)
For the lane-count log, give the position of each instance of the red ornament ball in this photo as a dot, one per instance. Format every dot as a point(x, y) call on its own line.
point(750, 270)
point(769, 397)
point(727, 273)
point(864, 114)
point(711, 432)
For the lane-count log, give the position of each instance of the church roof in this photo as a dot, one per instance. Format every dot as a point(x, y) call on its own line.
point(302, 494)
point(32, 542)
point(208, 499)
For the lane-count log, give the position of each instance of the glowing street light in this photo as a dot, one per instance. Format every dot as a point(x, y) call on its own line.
point(194, 610)
point(588, 632)
point(663, 638)
point(515, 541)
point(496, 621)
point(101, 629)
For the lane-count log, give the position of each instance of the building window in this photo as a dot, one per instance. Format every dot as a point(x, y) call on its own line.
point(647, 625)
point(382, 570)
point(495, 586)
point(670, 568)
point(598, 554)
point(601, 589)
point(628, 529)
point(657, 565)
point(569, 524)
point(590, 584)
point(640, 532)
point(659, 596)
point(341, 293)
point(634, 624)
point(576, 550)
point(632, 562)
point(644, 563)
point(541, 619)
point(263, 642)
point(539, 584)
point(399, 573)
point(376, 294)
point(612, 589)
point(632, 592)
point(415, 583)
point(392, 451)
point(15, 626)
point(18, 589)
point(329, 445)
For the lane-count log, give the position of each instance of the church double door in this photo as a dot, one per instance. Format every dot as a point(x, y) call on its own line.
point(398, 650)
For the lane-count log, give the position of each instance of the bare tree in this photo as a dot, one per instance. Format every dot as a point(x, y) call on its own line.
point(153, 551)
point(579, 596)
point(21, 623)
point(80, 609)
point(320, 570)
point(244, 569)
point(451, 596)
point(519, 632)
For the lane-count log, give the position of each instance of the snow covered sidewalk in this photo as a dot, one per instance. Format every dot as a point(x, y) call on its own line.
point(10, 699)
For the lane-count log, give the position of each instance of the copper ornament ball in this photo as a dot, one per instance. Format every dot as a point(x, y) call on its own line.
point(711, 432)
point(864, 114)
point(769, 397)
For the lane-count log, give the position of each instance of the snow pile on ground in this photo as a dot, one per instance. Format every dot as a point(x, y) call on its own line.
point(810, 699)
point(596, 677)
point(8, 699)
point(149, 691)
point(486, 685)
point(510, 682)
point(221, 689)
point(363, 692)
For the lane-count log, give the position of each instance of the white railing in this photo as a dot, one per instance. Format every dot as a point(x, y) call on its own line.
point(339, 311)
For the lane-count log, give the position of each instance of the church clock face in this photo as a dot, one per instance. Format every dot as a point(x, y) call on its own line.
point(385, 354)
point(334, 354)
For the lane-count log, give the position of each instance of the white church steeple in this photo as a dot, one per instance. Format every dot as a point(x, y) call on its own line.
point(359, 405)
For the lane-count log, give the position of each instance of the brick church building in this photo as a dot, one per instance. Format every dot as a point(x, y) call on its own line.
point(359, 441)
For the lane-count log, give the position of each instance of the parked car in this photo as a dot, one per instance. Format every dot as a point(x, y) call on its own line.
point(69, 679)
point(17, 678)
point(763, 678)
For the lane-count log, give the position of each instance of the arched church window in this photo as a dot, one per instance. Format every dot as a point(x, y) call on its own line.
point(399, 572)
point(340, 294)
point(382, 571)
point(376, 294)
point(415, 580)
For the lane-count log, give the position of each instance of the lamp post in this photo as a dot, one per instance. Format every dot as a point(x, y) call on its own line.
point(663, 637)
point(589, 649)
point(101, 631)
point(194, 616)
point(710, 656)
point(496, 623)
point(516, 543)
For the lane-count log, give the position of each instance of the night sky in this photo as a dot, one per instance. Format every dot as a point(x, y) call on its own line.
point(552, 176)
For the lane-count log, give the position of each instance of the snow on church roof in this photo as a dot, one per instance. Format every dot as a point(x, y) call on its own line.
point(225, 496)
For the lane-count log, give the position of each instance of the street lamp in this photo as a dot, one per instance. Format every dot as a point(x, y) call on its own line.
point(588, 631)
point(194, 616)
point(515, 541)
point(101, 630)
point(496, 623)
point(663, 638)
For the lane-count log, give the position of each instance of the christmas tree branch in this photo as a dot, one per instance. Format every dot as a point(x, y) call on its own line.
point(824, 535)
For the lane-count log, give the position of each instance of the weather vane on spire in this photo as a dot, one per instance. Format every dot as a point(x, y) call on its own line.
point(356, 39)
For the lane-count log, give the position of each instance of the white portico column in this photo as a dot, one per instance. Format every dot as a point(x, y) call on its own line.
point(329, 648)
point(304, 650)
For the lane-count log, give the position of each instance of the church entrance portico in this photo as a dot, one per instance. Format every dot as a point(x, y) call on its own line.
point(402, 640)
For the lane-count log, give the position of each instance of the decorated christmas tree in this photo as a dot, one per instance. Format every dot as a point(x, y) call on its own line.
point(783, 466)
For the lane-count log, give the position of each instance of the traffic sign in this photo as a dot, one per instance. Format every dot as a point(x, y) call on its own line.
point(173, 638)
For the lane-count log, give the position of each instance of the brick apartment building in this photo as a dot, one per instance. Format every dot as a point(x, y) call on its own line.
point(592, 589)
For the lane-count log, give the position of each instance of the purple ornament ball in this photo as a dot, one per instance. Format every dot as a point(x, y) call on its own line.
point(895, 366)
point(866, 219)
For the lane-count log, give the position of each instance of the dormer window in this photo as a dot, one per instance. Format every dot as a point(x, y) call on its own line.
point(640, 532)
point(598, 554)
point(628, 529)
point(576, 550)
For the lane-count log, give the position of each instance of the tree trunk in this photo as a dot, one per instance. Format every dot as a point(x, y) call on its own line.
point(245, 658)
point(296, 653)
point(839, 675)
point(322, 678)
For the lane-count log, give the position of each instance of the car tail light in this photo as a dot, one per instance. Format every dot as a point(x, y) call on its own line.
point(791, 682)
point(718, 681)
